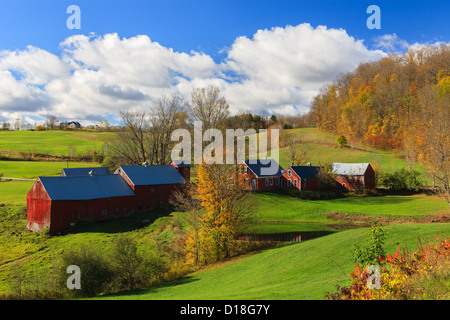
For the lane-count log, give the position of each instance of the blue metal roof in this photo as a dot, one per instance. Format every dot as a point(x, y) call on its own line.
point(152, 175)
point(264, 167)
point(86, 187)
point(98, 171)
point(306, 172)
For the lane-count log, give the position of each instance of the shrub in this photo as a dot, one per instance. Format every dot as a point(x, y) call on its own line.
point(342, 141)
point(423, 274)
point(96, 273)
point(402, 180)
point(134, 268)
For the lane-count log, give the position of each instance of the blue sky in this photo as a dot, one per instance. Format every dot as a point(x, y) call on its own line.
point(217, 36)
point(212, 25)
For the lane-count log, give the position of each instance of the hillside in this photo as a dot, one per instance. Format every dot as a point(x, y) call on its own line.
point(299, 271)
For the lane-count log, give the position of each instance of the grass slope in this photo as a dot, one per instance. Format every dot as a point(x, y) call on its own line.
point(322, 148)
point(299, 271)
point(53, 142)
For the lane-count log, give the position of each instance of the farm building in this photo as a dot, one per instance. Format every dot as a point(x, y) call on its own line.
point(55, 202)
point(261, 174)
point(300, 177)
point(93, 194)
point(152, 185)
point(98, 171)
point(354, 176)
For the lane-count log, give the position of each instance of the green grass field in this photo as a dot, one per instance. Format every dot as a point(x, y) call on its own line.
point(53, 142)
point(304, 270)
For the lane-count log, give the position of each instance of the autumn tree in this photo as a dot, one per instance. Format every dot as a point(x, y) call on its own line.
point(227, 210)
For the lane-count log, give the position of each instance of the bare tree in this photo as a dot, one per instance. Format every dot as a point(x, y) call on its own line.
point(130, 145)
point(164, 118)
point(51, 122)
point(209, 107)
point(297, 151)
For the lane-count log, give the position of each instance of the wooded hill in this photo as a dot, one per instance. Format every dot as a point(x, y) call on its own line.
point(398, 102)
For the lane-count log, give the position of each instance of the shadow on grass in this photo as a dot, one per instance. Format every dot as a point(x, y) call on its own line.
point(120, 224)
point(150, 290)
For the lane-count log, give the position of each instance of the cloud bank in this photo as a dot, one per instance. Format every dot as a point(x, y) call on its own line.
point(275, 71)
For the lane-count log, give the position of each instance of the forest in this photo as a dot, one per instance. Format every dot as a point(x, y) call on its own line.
point(399, 103)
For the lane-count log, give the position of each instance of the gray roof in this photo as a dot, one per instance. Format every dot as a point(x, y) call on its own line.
point(152, 175)
point(98, 171)
point(86, 187)
point(349, 169)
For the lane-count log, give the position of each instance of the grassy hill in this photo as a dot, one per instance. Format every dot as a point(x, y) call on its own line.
point(52, 142)
point(322, 148)
point(299, 271)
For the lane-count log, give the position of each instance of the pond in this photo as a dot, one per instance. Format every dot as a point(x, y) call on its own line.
point(286, 236)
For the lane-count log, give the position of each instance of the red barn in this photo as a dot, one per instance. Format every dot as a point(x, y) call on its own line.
point(300, 177)
point(55, 202)
point(261, 174)
point(354, 176)
point(152, 185)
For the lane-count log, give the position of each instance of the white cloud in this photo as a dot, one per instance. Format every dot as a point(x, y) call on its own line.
point(391, 43)
point(276, 71)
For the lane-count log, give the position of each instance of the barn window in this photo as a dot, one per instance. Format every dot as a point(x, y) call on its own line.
point(245, 170)
point(271, 181)
point(289, 183)
point(289, 173)
point(295, 182)
point(267, 181)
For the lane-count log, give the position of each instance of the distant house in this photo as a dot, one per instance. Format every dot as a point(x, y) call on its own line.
point(55, 202)
point(260, 174)
point(98, 171)
point(70, 125)
point(354, 176)
point(300, 177)
point(152, 185)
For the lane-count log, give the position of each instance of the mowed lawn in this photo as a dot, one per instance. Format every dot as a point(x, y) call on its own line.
point(276, 207)
point(303, 270)
point(53, 142)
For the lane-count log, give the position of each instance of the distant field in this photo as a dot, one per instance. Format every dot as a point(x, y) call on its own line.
point(53, 142)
